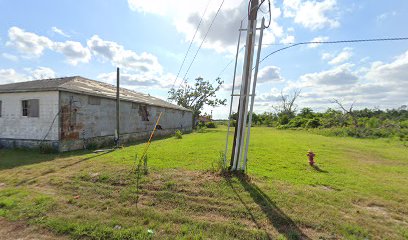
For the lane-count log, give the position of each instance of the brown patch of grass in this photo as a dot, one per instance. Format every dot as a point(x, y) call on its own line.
point(20, 230)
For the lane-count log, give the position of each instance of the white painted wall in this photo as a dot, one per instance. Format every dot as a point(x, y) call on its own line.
point(15, 126)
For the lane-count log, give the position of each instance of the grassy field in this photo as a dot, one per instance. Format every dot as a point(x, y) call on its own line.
point(358, 191)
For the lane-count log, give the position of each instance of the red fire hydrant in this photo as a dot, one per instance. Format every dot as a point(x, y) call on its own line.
point(311, 156)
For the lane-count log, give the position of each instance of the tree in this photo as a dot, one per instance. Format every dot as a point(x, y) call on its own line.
point(198, 95)
point(286, 110)
point(306, 113)
point(348, 112)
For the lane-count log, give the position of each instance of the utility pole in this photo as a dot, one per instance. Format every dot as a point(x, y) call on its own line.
point(117, 132)
point(245, 87)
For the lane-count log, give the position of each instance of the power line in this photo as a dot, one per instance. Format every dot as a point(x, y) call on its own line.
point(335, 42)
point(249, 10)
point(205, 36)
point(191, 42)
point(258, 7)
point(225, 68)
point(315, 42)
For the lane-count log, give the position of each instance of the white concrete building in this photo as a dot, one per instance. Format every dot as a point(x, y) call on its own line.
point(73, 112)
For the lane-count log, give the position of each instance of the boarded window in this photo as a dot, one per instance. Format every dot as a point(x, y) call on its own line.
point(31, 108)
point(135, 106)
point(0, 108)
point(143, 112)
point(94, 100)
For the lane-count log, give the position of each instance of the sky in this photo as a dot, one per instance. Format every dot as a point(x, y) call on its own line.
point(149, 39)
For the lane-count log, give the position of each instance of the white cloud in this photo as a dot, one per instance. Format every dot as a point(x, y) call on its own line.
point(10, 75)
point(33, 45)
point(380, 85)
point(386, 15)
point(274, 95)
point(394, 73)
point(42, 73)
point(338, 76)
point(288, 39)
point(10, 57)
point(74, 51)
point(122, 57)
point(137, 81)
point(270, 74)
point(311, 14)
point(326, 56)
point(30, 44)
point(317, 39)
point(228, 87)
point(343, 56)
point(185, 16)
point(60, 32)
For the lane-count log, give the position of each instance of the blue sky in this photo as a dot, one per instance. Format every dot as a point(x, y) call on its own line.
point(148, 40)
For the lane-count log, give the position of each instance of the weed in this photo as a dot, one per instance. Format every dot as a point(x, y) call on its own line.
point(145, 168)
point(178, 134)
point(91, 145)
point(46, 148)
point(201, 129)
point(170, 185)
point(210, 125)
point(218, 163)
point(354, 232)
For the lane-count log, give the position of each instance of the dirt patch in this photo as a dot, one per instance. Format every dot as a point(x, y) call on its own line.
point(377, 209)
point(20, 230)
point(326, 188)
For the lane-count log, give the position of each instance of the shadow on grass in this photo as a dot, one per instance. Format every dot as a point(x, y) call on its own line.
point(315, 167)
point(12, 158)
point(280, 221)
point(63, 167)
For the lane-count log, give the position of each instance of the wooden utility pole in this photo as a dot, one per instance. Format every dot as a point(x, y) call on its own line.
point(245, 87)
point(117, 132)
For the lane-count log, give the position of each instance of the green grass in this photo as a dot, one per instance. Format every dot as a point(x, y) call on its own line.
point(359, 190)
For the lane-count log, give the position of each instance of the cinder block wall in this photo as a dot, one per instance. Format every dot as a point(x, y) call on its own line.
point(17, 130)
point(84, 124)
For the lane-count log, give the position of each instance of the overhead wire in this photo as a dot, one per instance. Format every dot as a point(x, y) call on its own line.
point(191, 42)
point(202, 42)
point(316, 42)
point(258, 7)
point(225, 68)
point(336, 42)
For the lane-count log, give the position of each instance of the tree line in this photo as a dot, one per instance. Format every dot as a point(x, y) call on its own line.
point(342, 121)
point(345, 122)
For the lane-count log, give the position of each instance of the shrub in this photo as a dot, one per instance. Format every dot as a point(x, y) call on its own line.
point(404, 124)
point(283, 120)
point(373, 123)
point(297, 122)
point(178, 134)
point(313, 123)
point(46, 148)
point(202, 129)
point(91, 145)
point(210, 125)
point(201, 124)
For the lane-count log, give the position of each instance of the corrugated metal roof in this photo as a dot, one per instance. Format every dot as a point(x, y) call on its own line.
point(77, 84)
